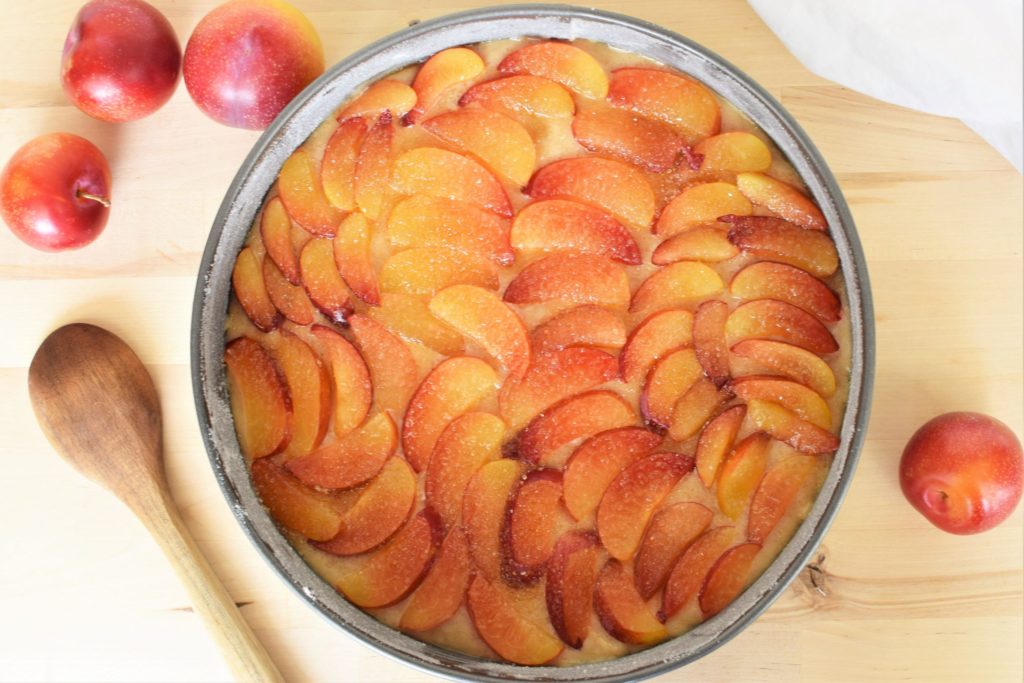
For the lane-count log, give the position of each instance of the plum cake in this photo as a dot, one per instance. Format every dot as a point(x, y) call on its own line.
point(537, 351)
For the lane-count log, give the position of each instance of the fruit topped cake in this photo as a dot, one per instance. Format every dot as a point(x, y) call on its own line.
point(538, 352)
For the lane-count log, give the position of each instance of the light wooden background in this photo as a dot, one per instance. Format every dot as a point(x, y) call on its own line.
point(85, 595)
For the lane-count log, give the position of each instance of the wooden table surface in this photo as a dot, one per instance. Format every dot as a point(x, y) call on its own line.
point(86, 595)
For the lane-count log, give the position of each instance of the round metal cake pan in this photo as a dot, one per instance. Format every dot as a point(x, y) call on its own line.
point(413, 45)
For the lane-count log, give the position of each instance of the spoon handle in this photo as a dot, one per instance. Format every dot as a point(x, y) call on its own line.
point(244, 654)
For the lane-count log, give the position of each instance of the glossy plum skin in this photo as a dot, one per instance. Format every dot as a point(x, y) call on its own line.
point(41, 190)
point(963, 472)
point(247, 59)
point(121, 60)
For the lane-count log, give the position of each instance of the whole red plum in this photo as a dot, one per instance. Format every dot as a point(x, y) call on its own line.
point(121, 60)
point(55, 192)
point(247, 59)
point(963, 472)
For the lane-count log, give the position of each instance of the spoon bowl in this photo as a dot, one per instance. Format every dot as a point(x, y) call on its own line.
point(97, 405)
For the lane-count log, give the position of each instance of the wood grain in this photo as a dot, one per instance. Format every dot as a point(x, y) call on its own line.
point(87, 597)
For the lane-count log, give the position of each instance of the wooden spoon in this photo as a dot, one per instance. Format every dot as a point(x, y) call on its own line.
point(99, 408)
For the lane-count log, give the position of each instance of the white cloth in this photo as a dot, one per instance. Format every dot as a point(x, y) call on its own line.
point(955, 58)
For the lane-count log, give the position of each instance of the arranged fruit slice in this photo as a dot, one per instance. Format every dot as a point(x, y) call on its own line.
point(394, 571)
point(352, 256)
point(315, 515)
point(426, 271)
point(778, 240)
point(291, 300)
point(322, 280)
point(488, 321)
point(651, 340)
point(687, 575)
point(560, 62)
point(789, 361)
point(409, 317)
point(276, 233)
point(615, 186)
point(806, 403)
point(668, 97)
point(735, 151)
point(497, 140)
point(484, 505)
point(706, 243)
point(530, 531)
point(574, 418)
point(569, 591)
point(563, 225)
point(782, 199)
point(695, 407)
point(260, 402)
point(741, 473)
point(787, 427)
point(393, 369)
point(387, 95)
point(505, 628)
point(300, 189)
point(597, 462)
point(350, 461)
point(716, 441)
point(776, 493)
point(338, 167)
point(551, 377)
point(699, 204)
point(574, 278)
point(632, 497)
point(767, 280)
point(250, 289)
point(667, 381)
point(379, 512)
point(442, 72)
point(440, 173)
point(309, 388)
point(452, 388)
point(621, 133)
point(778, 321)
point(443, 590)
point(373, 167)
point(425, 221)
point(464, 446)
point(672, 530)
point(522, 94)
point(727, 578)
point(353, 392)
point(623, 613)
point(586, 325)
point(676, 284)
point(709, 340)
